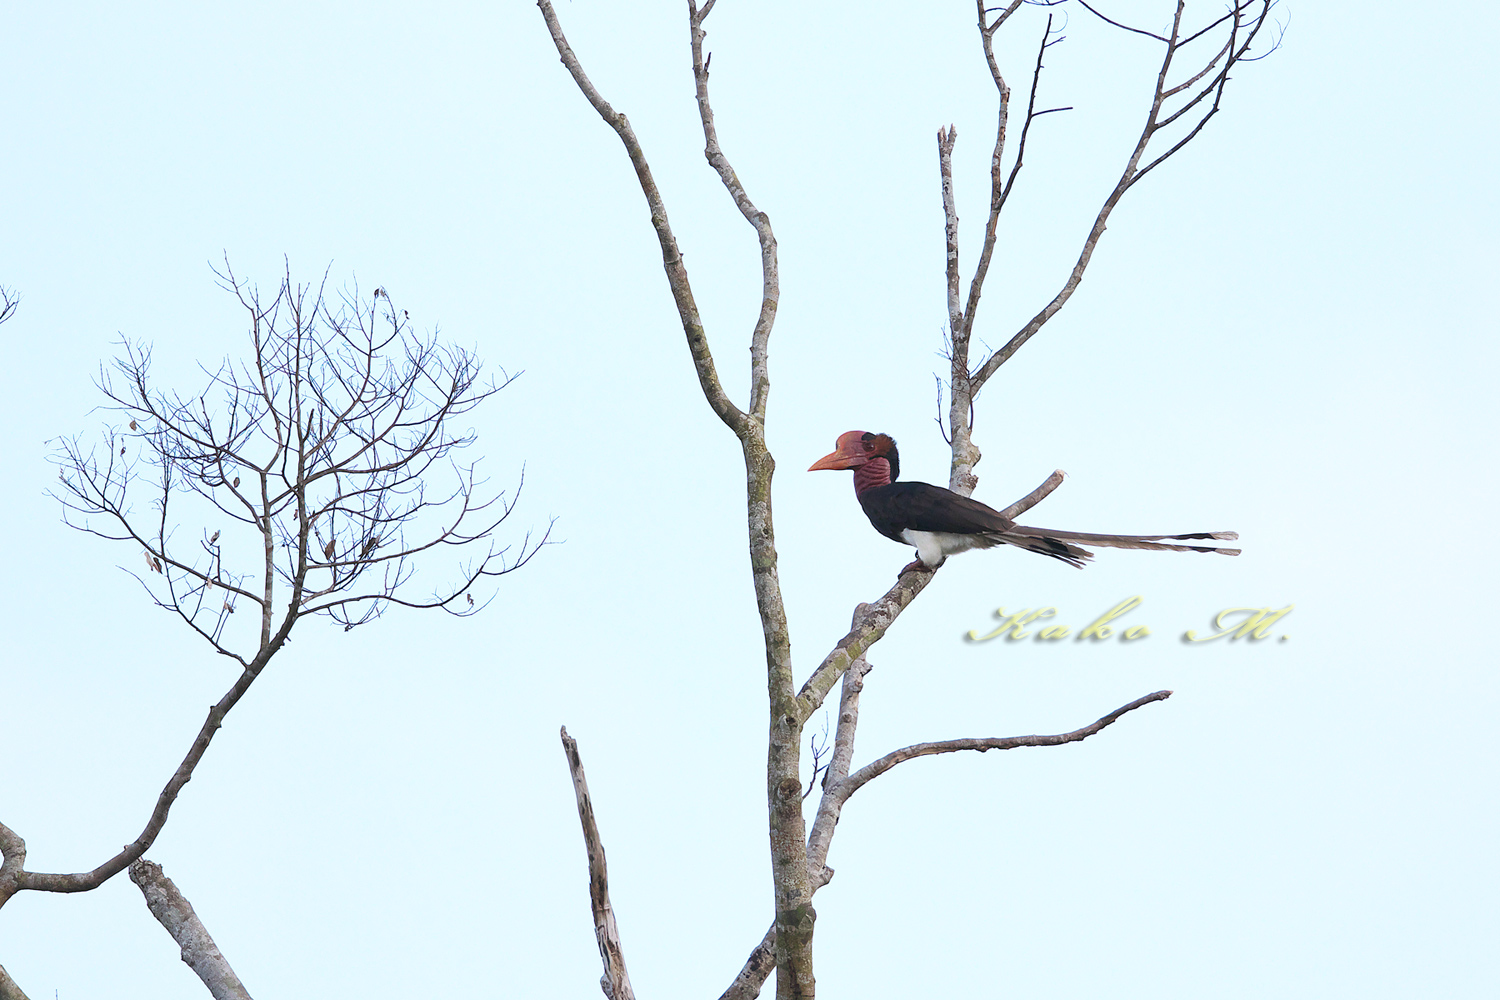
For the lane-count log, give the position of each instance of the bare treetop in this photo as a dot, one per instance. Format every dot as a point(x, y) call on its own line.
point(308, 465)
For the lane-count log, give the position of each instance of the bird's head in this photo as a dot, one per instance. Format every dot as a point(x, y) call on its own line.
point(860, 448)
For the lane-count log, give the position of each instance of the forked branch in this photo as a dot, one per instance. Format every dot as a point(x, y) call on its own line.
point(677, 276)
point(793, 889)
point(1241, 26)
point(839, 785)
point(760, 382)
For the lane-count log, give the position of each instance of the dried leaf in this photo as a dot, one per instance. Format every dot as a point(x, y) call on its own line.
point(328, 549)
point(132, 425)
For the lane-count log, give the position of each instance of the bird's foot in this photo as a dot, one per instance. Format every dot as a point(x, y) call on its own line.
point(916, 564)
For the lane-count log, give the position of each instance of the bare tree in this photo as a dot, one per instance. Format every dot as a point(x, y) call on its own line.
point(1182, 103)
point(316, 474)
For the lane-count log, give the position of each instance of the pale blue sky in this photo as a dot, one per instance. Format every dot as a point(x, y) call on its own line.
point(1287, 331)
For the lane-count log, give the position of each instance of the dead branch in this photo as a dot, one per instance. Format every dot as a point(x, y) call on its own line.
point(616, 980)
point(176, 914)
point(9, 303)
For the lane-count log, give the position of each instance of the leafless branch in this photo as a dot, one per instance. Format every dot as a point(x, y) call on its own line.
point(946, 138)
point(13, 875)
point(818, 747)
point(616, 980)
point(1122, 27)
point(176, 914)
point(873, 770)
point(9, 302)
point(1000, 184)
point(1036, 496)
point(821, 837)
point(770, 281)
point(871, 623)
point(1032, 114)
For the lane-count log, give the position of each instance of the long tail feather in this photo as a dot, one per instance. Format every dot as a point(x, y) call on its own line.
point(1119, 541)
point(1048, 544)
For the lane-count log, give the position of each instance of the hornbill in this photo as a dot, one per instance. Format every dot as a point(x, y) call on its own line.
point(940, 523)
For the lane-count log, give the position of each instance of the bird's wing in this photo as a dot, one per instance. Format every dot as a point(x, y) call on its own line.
point(924, 507)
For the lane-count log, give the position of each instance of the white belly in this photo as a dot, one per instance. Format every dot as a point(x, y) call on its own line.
point(935, 546)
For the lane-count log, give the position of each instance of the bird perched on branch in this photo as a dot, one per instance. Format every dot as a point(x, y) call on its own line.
point(940, 523)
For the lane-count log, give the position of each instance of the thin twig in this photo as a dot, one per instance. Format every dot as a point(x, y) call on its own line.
point(1122, 27)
